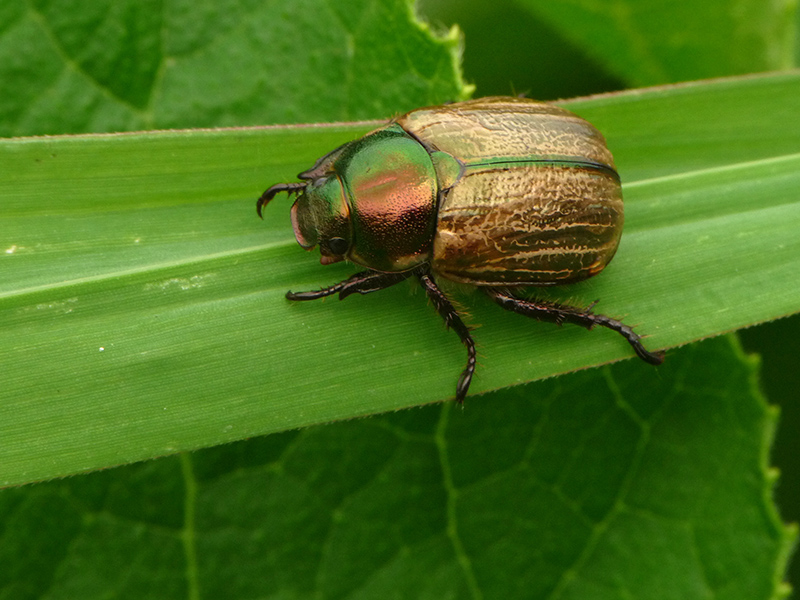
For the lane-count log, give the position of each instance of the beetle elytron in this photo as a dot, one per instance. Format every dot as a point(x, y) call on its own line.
point(499, 193)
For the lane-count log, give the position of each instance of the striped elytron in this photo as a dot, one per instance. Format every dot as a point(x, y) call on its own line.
point(498, 192)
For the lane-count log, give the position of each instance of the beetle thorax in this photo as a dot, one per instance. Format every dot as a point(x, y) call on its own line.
point(375, 204)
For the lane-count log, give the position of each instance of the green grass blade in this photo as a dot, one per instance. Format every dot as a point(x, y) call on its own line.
point(142, 309)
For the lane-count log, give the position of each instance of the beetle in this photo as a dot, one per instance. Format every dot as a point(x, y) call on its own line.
point(500, 193)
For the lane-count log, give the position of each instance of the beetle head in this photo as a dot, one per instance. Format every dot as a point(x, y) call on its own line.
point(320, 216)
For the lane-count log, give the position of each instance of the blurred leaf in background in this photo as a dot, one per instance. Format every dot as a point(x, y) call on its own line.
point(612, 483)
point(569, 48)
point(76, 66)
point(652, 43)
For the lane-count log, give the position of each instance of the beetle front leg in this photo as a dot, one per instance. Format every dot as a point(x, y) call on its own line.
point(364, 282)
point(291, 188)
point(559, 313)
point(453, 321)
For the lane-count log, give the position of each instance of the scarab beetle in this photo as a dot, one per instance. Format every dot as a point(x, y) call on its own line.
point(500, 193)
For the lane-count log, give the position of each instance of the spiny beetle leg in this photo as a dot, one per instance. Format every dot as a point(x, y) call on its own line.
point(270, 193)
point(445, 308)
point(363, 283)
point(635, 340)
point(371, 281)
point(559, 313)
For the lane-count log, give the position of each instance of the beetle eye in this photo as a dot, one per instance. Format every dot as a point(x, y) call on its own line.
point(338, 245)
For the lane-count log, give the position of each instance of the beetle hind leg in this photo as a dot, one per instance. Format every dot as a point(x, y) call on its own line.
point(559, 313)
point(453, 321)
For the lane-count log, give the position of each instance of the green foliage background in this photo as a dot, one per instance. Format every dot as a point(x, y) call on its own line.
point(617, 482)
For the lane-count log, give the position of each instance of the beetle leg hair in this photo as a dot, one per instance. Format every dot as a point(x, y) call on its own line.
point(270, 193)
point(453, 321)
point(363, 283)
point(559, 313)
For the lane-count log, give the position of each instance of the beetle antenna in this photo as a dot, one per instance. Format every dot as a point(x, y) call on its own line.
point(275, 190)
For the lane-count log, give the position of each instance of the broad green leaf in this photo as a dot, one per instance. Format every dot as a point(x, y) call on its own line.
point(510, 50)
point(81, 66)
point(603, 485)
point(143, 299)
point(649, 42)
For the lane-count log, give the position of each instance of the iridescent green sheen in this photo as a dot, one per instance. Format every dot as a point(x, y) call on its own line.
point(321, 213)
point(391, 186)
point(374, 198)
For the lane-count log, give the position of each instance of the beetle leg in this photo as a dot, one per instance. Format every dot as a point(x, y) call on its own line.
point(276, 189)
point(363, 283)
point(559, 313)
point(371, 281)
point(453, 321)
